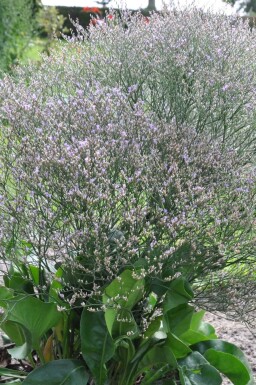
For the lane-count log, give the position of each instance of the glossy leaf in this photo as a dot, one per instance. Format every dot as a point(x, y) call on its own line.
point(20, 284)
point(177, 320)
point(20, 352)
point(61, 372)
point(14, 331)
point(5, 295)
point(97, 344)
point(178, 347)
point(195, 370)
point(36, 316)
point(198, 330)
point(121, 323)
point(157, 354)
point(178, 293)
point(124, 291)
point(129, 290)
point(228, 359)
point(35, 274)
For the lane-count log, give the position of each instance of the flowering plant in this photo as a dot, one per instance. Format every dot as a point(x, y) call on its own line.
point(128, 155)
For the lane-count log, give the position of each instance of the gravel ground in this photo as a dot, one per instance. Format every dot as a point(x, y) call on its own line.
point(237, 333)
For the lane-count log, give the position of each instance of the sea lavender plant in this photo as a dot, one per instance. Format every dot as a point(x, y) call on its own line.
point(127, 147)
point(187, 66)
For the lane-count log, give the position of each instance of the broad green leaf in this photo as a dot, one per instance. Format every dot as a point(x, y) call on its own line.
point(14, 331)
point(195, 370)
point(61, 372)
point(159, 286)
point(157, 355)
point(20, 352)
point(5, 294)
point(228, 359)
point(121, 322)
point(178, 347)
point(198, 330)
point(178, 293)
point(36, 316)
point(177, 320)
point(20, 284)
point(125, 291)
point(97, 344)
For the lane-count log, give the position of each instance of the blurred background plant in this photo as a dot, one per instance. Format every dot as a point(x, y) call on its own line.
point(26, 29)
point(50, 25)
point(17, 26)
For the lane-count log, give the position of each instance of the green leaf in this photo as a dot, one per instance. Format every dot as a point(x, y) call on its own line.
point(195, 370)
point(228, 359)
point(97, 344)
point(159, 286)
point(157, 355)
point(20, 284)
point(177, 320)
point(5, 294)
point(35, 274)
point(153, 327)
point(155, 373)
point(178, 347)
point(61, 372)
point(55, 287)
point(20, 352)
point(14, 331)
point(198, 330)
point(125, 291)
point(36, 316)
point(178, 293)
point(122, 323)
point(124, 349)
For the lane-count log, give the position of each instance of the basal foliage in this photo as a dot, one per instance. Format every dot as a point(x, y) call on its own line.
point(133, 145)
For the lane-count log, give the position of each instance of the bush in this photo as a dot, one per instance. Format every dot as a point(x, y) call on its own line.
point(130, 147)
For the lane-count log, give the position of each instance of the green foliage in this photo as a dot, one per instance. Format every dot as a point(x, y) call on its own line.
point(248, 6)
point(16, 29)
point(161, 351)
point(64, 372)
point(51, 25)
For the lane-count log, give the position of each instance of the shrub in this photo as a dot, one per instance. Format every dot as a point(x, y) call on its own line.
point(130, 146)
